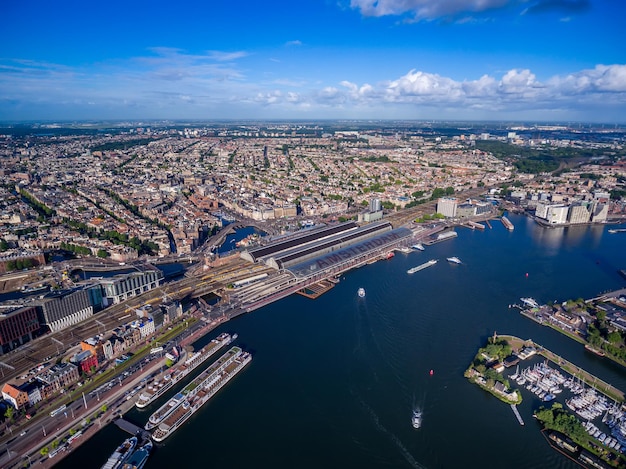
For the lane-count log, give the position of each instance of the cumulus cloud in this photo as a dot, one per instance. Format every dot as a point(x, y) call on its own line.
point(187, 85)
point(425, 9)
point(517, 89)
point(601, 79)
point(463, 10)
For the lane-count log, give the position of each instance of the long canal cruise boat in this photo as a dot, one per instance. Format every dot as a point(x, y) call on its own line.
point(199, 391)
point(173, 376)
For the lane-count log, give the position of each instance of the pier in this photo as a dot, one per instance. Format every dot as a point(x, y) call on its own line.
point(316, 289)
point(132, 428)
point(516, 412)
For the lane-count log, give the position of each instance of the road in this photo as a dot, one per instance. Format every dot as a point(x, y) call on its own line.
point(49, 429)
point(56, 344)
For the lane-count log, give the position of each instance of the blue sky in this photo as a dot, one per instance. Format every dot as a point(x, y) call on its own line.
point(542, 60)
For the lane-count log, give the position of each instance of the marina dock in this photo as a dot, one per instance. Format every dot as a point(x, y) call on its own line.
point(568, 367)
point(316, 289)
point(516, 412)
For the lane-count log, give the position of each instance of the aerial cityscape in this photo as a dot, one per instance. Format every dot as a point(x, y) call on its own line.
point(340, 234)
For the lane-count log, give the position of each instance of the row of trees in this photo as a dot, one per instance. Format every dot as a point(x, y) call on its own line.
point(42, 209)
point(601, 335)
point(19, 264)
point(142, 247)
point(82, 250)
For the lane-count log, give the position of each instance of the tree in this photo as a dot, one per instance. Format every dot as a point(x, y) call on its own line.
point(614, 337)
point(102, 253)
point(44, 451)
point(10, 413)
point(545, 415)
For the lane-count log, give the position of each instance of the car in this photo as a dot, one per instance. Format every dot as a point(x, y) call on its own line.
point(24, 432)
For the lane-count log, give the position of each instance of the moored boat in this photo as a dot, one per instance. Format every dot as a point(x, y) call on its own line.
point(166, 409)
point(139, 457)
point(507, 223)
point(548, 397)
point(121, 454)
point(598, 352)
point(173, 376)
point(201, 389)
point(530, 302)
point(418, 247)
point(421, 266)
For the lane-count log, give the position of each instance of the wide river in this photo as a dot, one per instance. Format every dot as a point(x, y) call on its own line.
point(333, 380)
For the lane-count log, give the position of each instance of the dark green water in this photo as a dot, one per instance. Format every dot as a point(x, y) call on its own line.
point(333, 380)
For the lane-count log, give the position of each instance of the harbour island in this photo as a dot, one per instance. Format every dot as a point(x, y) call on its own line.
point(587, 423)
point(487, 367)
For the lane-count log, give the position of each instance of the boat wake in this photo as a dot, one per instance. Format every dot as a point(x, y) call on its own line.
point(396, 441)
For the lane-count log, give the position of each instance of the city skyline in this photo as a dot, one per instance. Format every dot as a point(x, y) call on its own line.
point(544, 60)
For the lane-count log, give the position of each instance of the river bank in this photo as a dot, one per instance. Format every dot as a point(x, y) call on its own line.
point(326, 367)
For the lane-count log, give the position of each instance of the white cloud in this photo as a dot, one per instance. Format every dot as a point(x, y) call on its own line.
point(171, 83)
point(227, 56)
point(293, 43)
point(424, 9)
